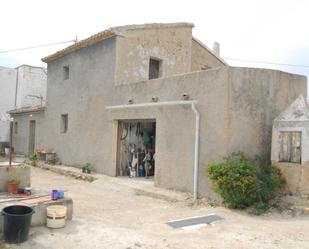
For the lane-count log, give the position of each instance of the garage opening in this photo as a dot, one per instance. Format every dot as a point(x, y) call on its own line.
point(136, 148)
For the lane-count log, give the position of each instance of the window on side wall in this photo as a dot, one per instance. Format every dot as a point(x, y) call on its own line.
point(155, 69)
point(64, 123)
point(290, 147)
point(66, 72)
point(16, 128)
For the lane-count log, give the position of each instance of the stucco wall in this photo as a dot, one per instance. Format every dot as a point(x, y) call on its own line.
point(21, 138)
point(202, 59)
point(83, 97)
point(171, 45)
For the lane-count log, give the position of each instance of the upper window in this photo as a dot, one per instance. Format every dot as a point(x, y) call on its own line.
point(290, 147)
point(154, 68)
point(64, 123)
point(66, 72)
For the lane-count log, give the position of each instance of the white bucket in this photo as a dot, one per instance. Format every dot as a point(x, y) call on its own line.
point(56, 216)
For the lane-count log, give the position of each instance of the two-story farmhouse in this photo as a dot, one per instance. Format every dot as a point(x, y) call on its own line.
point(154, 90)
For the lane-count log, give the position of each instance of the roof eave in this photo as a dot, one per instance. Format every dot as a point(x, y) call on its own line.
point(81, 44)
point(19, 111)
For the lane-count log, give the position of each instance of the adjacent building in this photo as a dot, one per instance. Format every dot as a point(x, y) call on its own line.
point(290, 145)
point(23, 86)
point(155, 90)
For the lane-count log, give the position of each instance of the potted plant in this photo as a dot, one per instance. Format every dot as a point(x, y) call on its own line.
point(13, 185)
point(87, 168)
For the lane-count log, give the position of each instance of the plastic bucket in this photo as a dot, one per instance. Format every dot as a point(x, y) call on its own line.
point(16, 223)
point(56, 216)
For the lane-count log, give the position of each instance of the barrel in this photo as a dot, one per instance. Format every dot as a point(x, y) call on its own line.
point(16, 223)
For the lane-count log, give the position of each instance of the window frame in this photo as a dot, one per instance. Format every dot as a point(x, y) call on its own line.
point(160, 71)
point(64, 123)
point(291, 149)
point(66, 72)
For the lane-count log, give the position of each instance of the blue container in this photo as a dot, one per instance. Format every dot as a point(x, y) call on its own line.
point(60, 194)
point(141, 172)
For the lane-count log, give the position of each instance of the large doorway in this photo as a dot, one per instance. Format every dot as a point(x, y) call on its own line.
point(136, 148)
point(31, 137)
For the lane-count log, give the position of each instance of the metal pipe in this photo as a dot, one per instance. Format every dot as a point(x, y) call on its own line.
point(165, 103)
point(197, 131)
point(11, 144)
point(196, 151)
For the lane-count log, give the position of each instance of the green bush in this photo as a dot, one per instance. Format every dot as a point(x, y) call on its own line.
point(33, 158)
point(243, 183)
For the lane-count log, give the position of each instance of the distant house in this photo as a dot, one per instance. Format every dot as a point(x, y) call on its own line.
point(23, 86)
point(153, 97)
point(290, 145)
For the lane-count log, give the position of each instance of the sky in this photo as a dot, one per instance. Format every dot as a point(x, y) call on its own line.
point(258, 30)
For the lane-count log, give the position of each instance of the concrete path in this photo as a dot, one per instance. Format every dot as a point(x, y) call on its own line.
point(111, 213)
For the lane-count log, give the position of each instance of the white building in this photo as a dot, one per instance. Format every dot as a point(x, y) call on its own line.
point(290, 145)
point(24, 86)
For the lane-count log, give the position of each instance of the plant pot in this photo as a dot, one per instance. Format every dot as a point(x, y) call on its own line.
point(88, 171)
point(83, 170)
point(12, 188)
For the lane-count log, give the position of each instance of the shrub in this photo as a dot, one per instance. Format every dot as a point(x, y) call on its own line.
point(33, 158)
point(243, 183)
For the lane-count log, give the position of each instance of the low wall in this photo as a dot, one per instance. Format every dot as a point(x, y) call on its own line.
point(20, 172)
point(296, 176)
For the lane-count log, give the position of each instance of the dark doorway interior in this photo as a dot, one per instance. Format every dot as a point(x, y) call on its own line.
point(136, 148)
point(31, 137)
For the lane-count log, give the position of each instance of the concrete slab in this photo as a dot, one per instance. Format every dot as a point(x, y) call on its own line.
point(194, 221)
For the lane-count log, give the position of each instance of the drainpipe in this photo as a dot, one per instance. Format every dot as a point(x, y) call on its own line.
point(196, 151)
point(197, 130)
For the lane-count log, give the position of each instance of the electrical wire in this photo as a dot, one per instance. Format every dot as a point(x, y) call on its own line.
point(266, 62)
point(227, 58)
point(37, 46)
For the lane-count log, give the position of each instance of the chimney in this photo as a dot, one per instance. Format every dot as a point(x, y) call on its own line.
point(216, 48)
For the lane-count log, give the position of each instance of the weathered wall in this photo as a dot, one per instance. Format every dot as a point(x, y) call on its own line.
point(31, 81)
point(172, 45)
point(7, 99)
point(202, 59)
point(296, 176)
point(257, 97)
point(83, 97)
point(21, 138)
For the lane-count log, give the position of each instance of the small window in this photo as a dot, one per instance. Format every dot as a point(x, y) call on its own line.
point(16, 128)
point(66, 72)
point(154, 68)
point(290, 147)
point(64, 123)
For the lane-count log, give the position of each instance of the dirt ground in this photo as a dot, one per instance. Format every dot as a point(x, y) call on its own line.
point(108, 213)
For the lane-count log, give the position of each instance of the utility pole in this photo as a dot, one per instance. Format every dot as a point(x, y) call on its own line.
point(11, 144)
